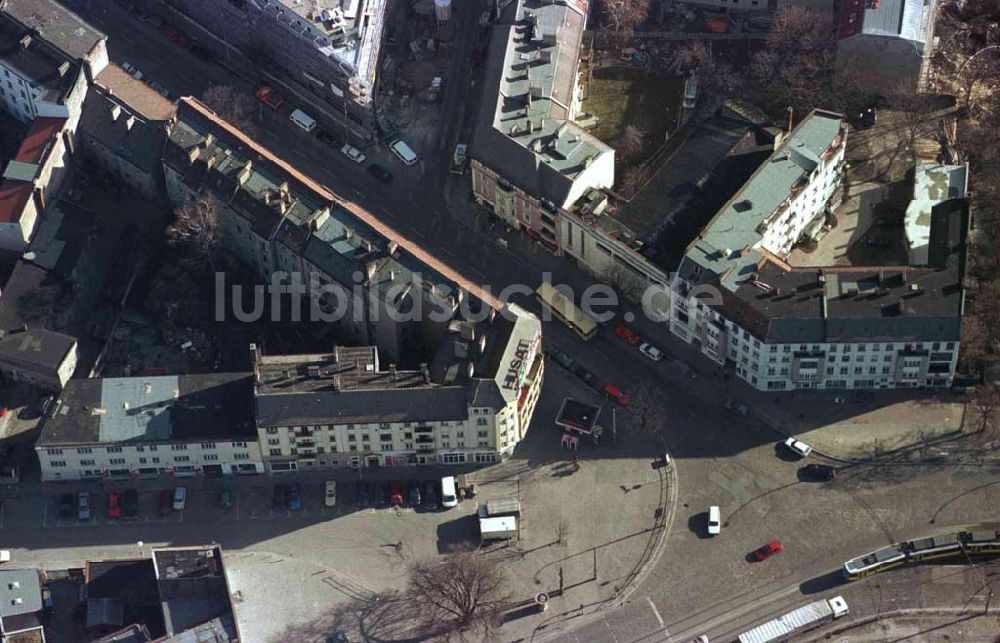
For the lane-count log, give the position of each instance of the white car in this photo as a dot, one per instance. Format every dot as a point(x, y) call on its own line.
point(714, 521)
point(352, 153)
point(800, 448)
point(651, 352)
point(330, 495)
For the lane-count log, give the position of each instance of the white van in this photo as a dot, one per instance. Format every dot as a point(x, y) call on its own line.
point(714, 520)
point(448, 497)
point(403, 151)
point(303, 120)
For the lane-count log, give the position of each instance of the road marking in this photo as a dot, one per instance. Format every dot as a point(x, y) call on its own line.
point(656, 613)
point(611, 630)
point(3, 507)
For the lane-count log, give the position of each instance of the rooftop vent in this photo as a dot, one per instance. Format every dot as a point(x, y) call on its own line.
point(743, 206)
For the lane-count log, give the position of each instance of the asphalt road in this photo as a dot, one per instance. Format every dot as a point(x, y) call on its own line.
point(698, 585)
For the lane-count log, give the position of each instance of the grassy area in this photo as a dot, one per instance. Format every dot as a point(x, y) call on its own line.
point(622, 96)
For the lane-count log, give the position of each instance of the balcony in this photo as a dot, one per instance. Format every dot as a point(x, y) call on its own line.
point(425, 448)
point(425, 439)
point(423, 429)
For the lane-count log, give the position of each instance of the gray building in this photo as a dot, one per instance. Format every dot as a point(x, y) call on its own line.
point(39, 357)
point(21, 596)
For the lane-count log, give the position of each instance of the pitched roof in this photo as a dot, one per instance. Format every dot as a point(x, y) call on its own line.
point(56, 24)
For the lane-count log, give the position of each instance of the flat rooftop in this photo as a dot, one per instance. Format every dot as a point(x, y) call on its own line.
point(56, 24)
point(908, 19)
point(37, 61)
point(36, 349)
point(933, 184)
point(574, 414)
point(140, 97)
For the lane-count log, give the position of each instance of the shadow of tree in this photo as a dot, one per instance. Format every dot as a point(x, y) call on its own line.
point(385, 618)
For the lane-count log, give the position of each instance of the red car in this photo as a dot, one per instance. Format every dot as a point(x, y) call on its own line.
point(269, 96)
point(395, 494)
point(768, 550)
point(114, 505)
point(628, 335)
point(176, 37)
point(166, 502)
point(616, 394)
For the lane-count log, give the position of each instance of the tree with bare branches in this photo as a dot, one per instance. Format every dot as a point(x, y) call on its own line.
point(621, 17)
point(716, 78)
point(196, 232)
point(631, 141)
point(986, 407)
point(466, 592)
point(234, 106)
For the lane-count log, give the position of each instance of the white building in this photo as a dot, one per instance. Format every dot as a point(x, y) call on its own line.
point(779, 327)
point(147, 427)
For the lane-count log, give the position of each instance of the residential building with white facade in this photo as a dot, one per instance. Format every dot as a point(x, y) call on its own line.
point(781, 327)
point(530, 161)
point(148, 427)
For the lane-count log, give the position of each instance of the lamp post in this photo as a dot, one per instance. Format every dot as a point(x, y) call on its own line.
point(968, 90)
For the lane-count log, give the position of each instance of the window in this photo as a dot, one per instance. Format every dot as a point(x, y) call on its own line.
point(351, 437)
point(57, 463)
point(239, 445)
point(114, 449)
point(154, 460)
point(178, 447)
point(208, 445)
point(84, 450)
point(385, 437)
point(86, 463)
point(211, 457)
point(116, 461)
point(272, 429)
point(241, 456)
point(153, 447)
point(140, 448)
point(55, 451)
point(482, 421)
point(275, 451)
point(182, 458)
point(273, 441)
point(484, 434)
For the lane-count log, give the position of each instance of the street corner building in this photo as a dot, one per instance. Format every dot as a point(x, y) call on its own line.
point(781, 327)
point(530, 161)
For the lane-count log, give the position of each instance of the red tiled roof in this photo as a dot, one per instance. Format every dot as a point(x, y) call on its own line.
point(36, 142)
point(364, 215)
point(14, 196)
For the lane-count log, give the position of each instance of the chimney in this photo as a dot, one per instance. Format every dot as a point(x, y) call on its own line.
point(63, 69)
point(393, 246)
point(283, 189)
point(245, 173)
point(282, 207)
point(210, 140)
point(193, 154)
point(348, 233)
point(336, 382)
point(116, 111)
point(370, 268)
point(25, 41)
point(129, 123)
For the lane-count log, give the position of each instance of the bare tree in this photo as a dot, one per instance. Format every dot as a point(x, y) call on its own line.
point(466, 591)
point(631, 141)
point(233, 105)
point(715, 78)
point(624, 280)
point(986, 407)
point(621, 17)
point(196, 232)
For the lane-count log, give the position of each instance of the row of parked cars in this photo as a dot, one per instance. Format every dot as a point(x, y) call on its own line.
point(119, 504)
point(426, 494)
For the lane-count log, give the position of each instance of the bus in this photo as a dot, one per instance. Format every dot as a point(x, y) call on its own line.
point(562, 307)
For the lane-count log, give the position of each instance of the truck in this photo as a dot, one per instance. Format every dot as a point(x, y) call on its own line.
point(797, 621)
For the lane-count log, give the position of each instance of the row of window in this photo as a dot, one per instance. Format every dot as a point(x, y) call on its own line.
point(210, 457)
point(141, 448)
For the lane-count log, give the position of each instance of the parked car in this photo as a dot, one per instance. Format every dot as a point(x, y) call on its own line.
point(560, 357)
point(395, 495)
point(584, 375)
point(45, 404)
point(819, 472)
point(651, 351)
point(330, 494)
point(130, 503)
point(280, 498)
point(180, 498)
point(66, 502)
point(114, 505)
point(160, 88)
point(739, 408)
point(380, 173)
point(269, 96)
point(798, 447)
point(177, 38)
point(614, 393)
point(166, 502)
point(327, 138)
point(430, 496)
point(294, 496)
point(83, 506)
point(226, 498)
point(132, 70)
point(714, 521)
point(352, 153)
point(628, 335)
point(768, 550)
point(413, 493)
point(363, 497)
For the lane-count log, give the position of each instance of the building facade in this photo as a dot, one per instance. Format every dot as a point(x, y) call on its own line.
point(148, 427)
point(39, 357)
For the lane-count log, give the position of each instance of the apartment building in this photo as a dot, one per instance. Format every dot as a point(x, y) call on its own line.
point(782, 327)
point(62, 30)
point(147, 427)
point(938, 190)
point(886, 45)
point(345, 408)
point(38, 357)
point(530, 161)
point(330, 47)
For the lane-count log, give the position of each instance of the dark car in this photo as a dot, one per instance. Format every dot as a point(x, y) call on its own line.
point(294, 496)
point(584, 375)
point(130, 503)
point(327, 138)
point(67, 504)
point(430, 497)
point(768, 550)
point(819, 472)
point(363, 497)
point(166, 502)
point(280, 498)
point(413, 493)
point(380, 173)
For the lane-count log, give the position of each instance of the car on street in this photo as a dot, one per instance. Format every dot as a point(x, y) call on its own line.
point(166, 502)
point(269, 96)
point(83, 506)
point(798, 447)
point(616, 394)
point(330, 494)
point(430, 497)
point(739, 408)
point(380, 173)
point(822, 472)
point(651, 351)
point(180, 499)
point(66, 503)
point(45, 404)
point(130, 504)
point(177, 38)
point(226, 498)
point(327, 138)
point(363, 497)
point(413, 493)
point(584, 375)
point(294, 496)
point(560, 357)
point(160, 88)
point(395, 495)
point(628, 335)
point(714, 521)
point(132, 70)
point(114, 505)
point(353, 153)
point(768, 550)
point(280, 498)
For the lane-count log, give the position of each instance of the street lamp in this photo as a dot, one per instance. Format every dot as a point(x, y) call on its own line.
point(968, 91)
point(139, 545)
